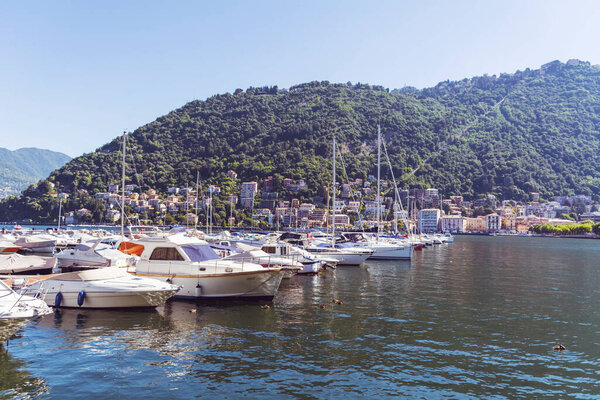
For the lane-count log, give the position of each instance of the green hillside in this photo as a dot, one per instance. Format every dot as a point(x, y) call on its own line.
point(533, 130)
point(20, 168)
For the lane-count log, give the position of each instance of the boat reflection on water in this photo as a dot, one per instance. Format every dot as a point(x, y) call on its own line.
point(15, 380)
point(8, 327)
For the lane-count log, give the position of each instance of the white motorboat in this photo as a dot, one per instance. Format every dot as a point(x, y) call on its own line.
point(7, 247)
point(342, 252)
point(15, 305)
point(101, 288)
point(289, 266)
point(311, 263)
point(42, 243)
point(95, 254)
point(384, 249)
point(196, 267)
point(439, 239)
point(16, 310)
point(16, 264)
point(449, 237)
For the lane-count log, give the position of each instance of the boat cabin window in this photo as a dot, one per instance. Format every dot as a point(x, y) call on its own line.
point(166, 253)
point(269, 249)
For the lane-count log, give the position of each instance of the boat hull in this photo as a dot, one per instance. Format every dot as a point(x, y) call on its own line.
point(391, 253)
point(138, 299)
point(243, 285)
point(346, 258)
point(311, 268)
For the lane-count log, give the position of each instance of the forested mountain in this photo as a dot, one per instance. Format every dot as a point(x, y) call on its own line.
point(20, 168)
point(533, 130)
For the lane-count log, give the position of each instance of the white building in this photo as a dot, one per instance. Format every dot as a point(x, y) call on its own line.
point(453, 223)
point(493, 222)
point(428, 220)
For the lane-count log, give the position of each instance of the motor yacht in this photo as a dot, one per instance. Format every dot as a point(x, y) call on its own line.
point(42, 243)
point(311, 263)
point(94, 254)
point(384, 249)
point(244, 252)
point(17, 264)
point(344, 253)
point(194, 266)
point(7, 247)
point(111, 287)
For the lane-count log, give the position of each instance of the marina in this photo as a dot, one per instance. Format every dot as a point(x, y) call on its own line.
point(300, 200)
point(477, 318)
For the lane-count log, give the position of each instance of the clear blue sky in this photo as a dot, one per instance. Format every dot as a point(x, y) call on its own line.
point(75, 74)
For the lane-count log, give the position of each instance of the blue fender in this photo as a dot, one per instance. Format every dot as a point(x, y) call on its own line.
point(80, 298)
point(58, 299)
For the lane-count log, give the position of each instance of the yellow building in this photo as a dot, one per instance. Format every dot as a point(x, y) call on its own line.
point(509, 222)
point(476, 224)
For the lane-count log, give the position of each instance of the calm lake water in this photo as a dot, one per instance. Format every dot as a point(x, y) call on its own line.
point(477, 318)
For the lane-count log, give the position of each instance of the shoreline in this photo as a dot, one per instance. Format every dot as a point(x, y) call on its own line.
point(112, 227)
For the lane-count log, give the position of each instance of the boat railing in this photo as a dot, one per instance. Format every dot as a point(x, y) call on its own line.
point(270, 260)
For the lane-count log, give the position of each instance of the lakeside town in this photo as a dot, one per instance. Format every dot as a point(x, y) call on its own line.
point(260, 205)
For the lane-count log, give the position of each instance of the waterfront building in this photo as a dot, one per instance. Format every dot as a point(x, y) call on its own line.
point(475, 224)
point(453, 223)
point(428, 220)
point(341, 220)
point(509, 222)
point(592, 216)
point(493, 222)
point(70, 218)
point(317, 218)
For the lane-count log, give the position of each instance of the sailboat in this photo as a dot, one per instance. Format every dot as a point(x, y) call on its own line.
point(342, 253)
point(383, 249)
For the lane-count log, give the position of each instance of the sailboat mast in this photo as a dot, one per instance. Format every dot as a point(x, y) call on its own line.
point(59, 211)
point(197, 197)
point(123, 190)
point(378, 180)
point(333, 199)
point(187, 204)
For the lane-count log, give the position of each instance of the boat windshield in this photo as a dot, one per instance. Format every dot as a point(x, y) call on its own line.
point(200, 252)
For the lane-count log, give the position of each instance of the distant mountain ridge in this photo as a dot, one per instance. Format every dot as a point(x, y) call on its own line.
point(22, 167)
